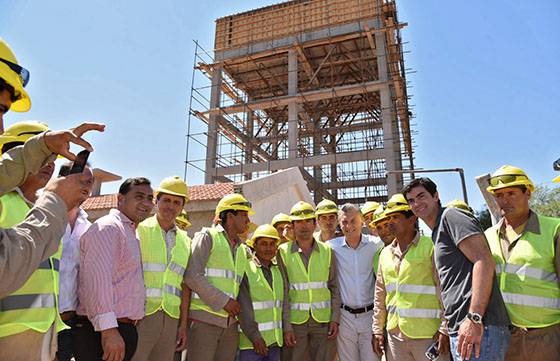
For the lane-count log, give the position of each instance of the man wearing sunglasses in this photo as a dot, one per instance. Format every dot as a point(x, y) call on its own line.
point(477, 320)
point(526, 248)
point(311, 327)
point(214, 274)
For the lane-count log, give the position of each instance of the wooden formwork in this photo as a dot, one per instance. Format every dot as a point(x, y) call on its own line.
point(289, 18)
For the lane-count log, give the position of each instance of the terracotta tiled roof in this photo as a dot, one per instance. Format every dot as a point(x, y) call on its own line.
point(105, 201)
point(210, 191)
point(197, 193)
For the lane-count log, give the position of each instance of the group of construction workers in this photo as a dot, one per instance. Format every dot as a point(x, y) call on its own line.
point(316, 283)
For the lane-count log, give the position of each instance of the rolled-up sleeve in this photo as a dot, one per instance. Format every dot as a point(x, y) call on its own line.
point(195, 277)
point(25, 246)
point(20, 161)
point(99, 246)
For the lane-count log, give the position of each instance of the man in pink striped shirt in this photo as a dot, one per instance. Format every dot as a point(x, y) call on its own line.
point(111, 291)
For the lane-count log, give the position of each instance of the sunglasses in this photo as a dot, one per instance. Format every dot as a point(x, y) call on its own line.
point(22, 73)
point(245, 204)
point(302, 212)
point(505, 179)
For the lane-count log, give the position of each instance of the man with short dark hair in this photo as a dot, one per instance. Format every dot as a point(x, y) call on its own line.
point(214, 275)
point(326, 212)
point(111, 290)
point(526, 248)
point(477, 319)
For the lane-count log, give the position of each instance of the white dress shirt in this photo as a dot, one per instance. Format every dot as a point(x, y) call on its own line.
point(70, 263)
point(355, 270)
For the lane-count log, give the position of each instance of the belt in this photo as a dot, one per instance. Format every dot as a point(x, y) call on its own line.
point(125, 320)
point(67, 315)
point(356, 311)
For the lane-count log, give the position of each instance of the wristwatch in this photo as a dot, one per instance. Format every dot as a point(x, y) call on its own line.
point(475, 317)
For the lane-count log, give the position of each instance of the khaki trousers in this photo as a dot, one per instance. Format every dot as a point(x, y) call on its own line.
point(407, 349)
point(541, 344)
point(157, 335)
point(212, 343)
point(311, 343)
point(354, 337)
point(29, 345)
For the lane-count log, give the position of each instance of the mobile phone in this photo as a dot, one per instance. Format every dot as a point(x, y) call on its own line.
point(78, 165)
point(432, 352)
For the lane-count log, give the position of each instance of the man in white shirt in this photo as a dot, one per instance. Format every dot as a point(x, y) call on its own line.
point(354, 257)
point(68, 272)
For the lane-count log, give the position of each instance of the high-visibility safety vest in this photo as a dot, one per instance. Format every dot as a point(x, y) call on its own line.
point(162, 279)
point(308, 293)
point(528, 279)
point(267, 305)
point(35, 305)
point(222, 270)
point(411, 299)
point(376, 260)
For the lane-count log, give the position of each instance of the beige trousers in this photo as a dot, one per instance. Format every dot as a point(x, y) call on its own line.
point(311, 343)
point(29, 346)
point(354, 337)
point(157, 335)
point(537, 344)
point(406, 349)
point(212, 343)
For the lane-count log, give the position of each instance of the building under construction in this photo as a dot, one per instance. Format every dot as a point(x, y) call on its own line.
point(317, 84)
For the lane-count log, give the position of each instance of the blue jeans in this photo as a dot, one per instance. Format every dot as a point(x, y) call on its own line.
point(251, 355)
point(494, 345)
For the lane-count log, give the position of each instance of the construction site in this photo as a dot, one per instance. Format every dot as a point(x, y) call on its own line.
point(315, 84)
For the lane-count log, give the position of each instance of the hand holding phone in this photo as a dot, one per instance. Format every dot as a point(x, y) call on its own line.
point(432, 352)
point(78, 165)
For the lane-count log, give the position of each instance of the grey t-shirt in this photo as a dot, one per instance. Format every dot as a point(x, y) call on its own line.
point(455, 270)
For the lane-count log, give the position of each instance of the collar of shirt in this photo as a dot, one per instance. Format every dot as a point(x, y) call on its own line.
point(296, 248)
point(395, 249)
point(360, 245)
point(220, 228)
point(122, 217)
point(531, 225)
point(274, 262)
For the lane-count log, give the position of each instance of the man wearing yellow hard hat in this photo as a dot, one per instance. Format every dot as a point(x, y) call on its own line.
point(407, 304)
point(165, 253)
point(526, 248)
point(26, 245)
point(314, 295)
point(283, 225)
point(263, 298)
point(214, 275)
point(22, 321)
point(459, 204)
point(326, 212)
point(367, 212)
point(182, 221)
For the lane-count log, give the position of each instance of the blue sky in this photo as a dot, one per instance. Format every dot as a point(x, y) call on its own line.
point(484, 88)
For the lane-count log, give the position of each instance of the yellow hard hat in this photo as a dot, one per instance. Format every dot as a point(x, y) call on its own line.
point(279, 218)
point(509, 176)
point(326, 206)
point(378, 215)
point(397, 203)
point(557, 179)
point(369, 207)
point(182, 220)
point(265, 230)
point(302, 210)
point(457, 203)
point(234, 202)
point(174, 186)
point(15, 76)
point(20, 132)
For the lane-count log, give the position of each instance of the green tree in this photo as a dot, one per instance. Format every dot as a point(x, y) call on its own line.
point(484, 217)
point(546, 201)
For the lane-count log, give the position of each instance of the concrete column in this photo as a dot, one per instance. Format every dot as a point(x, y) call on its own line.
point(390, 135)
point(293, 106)
point(249, 127)
point(212, 143)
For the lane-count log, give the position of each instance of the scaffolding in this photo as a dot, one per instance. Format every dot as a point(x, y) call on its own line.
point(317, 84)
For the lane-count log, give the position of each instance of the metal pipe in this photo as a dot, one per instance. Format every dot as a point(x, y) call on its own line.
point(442, 170)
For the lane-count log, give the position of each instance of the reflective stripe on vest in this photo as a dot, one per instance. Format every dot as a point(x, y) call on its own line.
point(528, 280)
point(162, 279)
point(223, 270)
point(34, 306)
point(267, 302)
point(309, 293)
point(411, 300)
